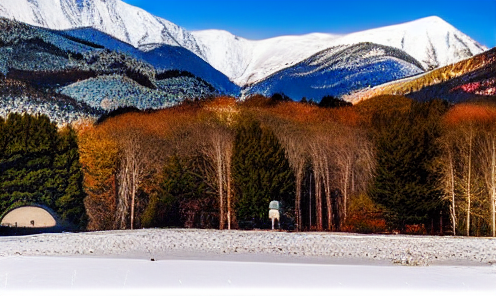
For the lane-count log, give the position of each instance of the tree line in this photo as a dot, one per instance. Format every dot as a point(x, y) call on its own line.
point(386, 164)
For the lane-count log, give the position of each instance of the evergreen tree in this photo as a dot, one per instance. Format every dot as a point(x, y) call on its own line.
point(68, 178)
point(261, 172)
point(26, 163)
point(406, 183)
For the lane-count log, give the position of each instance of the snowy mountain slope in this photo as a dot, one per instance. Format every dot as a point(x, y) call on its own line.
point(431, 41)
point(114, 17)
point(246, 61)
point(338, 71)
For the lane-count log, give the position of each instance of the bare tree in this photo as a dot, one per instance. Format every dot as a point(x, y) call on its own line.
point(140, 156)
point(487, 146)
point(467, 163)
point(217, 146)
point(320, 157)
point(448, 174)
point(354, 164)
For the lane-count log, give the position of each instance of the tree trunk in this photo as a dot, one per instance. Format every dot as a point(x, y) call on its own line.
point(134, 188)
point(345, 191)
point(299, 180)
point(493, 186)
point(452, 189)
point(133, 195)
point(221, 187)
point(469, 178)
point(310, 202)
point(318, 201)
point(327, 190)
point(123, 195)
point(228, 177)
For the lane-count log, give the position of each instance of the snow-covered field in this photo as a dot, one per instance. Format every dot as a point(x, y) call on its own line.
point(210, 262)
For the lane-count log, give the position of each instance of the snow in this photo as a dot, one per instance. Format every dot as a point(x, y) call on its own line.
point(246, 61)
point(212, 262)
point(110, 276)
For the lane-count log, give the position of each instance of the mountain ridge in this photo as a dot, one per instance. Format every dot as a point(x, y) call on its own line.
point(431, 40)
point(338, 71)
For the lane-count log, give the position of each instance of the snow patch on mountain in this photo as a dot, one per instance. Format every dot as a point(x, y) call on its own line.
point(429, 40)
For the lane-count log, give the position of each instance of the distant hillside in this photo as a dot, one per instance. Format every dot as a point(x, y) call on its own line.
point(338, 71)
point(470, 78)
point(60, 68)
point(162, 57)
point(19, 97)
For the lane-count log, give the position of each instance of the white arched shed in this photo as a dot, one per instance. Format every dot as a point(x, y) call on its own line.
point(30, 217)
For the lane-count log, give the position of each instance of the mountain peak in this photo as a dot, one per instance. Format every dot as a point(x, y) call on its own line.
point(432, 19)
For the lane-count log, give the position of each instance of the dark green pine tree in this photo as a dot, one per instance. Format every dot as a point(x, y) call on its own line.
point(261, 172)
point(25, 165)
point(406, 179)
point(67, 183)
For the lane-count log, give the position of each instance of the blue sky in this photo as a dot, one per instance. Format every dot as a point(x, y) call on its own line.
point(258, 19)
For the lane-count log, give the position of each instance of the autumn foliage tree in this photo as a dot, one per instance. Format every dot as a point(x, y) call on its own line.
point(98, 155)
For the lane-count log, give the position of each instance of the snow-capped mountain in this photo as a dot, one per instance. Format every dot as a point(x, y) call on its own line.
point(432, 41)
point(114, 17)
